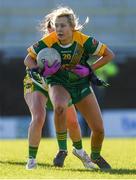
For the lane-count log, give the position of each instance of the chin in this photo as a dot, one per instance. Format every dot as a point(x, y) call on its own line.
point(61, 38)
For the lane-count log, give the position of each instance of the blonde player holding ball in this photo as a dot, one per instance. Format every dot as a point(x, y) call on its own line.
point(70, 81)
point(37, 99)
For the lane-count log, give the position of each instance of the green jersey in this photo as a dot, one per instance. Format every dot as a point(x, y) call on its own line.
point(75, 53)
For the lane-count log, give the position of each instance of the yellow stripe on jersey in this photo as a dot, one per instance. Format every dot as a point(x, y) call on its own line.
point(32, 53)
point(102, 49)
point(50, 39)
point(80, 38)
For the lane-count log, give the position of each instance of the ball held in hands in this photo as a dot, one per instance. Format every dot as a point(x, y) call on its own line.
point(50, 70)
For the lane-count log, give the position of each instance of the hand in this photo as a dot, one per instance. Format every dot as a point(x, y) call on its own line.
point(95, 80)
point(50, 70)
point(34, 71)
point(81, 70)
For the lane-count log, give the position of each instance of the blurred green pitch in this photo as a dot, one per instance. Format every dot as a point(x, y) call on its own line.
point(120, 152)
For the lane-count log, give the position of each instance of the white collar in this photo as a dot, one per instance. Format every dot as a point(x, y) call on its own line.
point(65, 46)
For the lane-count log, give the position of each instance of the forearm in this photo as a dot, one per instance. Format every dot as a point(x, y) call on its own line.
point(29, 62)
point(100, 63)
point(107, 57)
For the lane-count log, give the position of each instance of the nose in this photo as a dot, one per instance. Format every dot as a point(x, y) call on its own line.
point(58, 28)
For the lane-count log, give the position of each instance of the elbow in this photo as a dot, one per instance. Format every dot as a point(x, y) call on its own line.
point(111, 56)
point(25, 60)
point(25, 63)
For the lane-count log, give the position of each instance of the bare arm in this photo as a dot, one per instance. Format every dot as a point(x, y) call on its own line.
point(30, 62)
point(107, 57)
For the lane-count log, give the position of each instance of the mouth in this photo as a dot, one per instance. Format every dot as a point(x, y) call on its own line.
point(60, 35)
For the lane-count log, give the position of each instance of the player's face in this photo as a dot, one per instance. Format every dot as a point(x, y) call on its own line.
point(64, 30)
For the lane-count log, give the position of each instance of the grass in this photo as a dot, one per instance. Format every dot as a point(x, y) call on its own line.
point(121, 153)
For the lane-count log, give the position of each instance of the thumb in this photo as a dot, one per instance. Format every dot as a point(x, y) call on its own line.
point(45, 63)
point(57, 65)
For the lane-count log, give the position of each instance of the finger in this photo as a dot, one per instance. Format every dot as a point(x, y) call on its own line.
point(57, 65)
point(55, 62)
point(78, 66)
point(45, 63)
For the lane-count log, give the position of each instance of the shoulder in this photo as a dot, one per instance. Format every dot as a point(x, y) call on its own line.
point(46, 41)
point(80, 37)
point(50, 39)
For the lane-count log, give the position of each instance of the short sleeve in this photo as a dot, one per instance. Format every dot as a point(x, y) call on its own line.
point(94, 47)
point(35, 48)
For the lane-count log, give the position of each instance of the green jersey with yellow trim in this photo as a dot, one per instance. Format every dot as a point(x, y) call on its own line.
point(72, 54)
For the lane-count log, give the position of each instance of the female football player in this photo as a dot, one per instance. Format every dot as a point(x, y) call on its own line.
point(75, 48)
point(37, 99)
